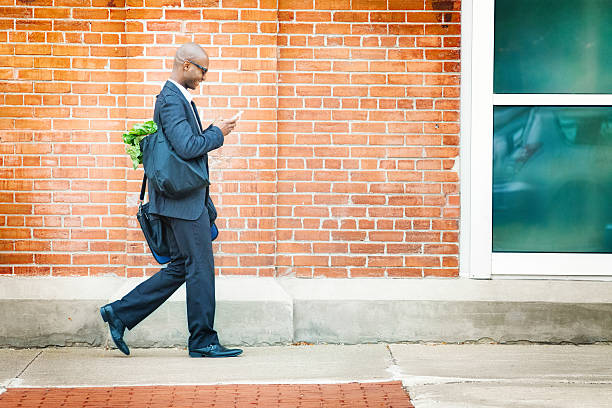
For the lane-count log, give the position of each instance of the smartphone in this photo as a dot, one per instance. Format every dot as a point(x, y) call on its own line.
point(236, 116)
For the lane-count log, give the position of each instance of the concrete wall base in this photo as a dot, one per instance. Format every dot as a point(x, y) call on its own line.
point(42, 311)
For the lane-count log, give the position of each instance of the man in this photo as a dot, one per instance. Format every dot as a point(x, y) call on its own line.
point(190, 243)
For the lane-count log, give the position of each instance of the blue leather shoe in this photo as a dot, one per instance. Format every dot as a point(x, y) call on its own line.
point(116, 328)
point(215, 351)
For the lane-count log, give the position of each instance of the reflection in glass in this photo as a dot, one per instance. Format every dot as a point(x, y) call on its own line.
point(552, 179)
point(553, 46)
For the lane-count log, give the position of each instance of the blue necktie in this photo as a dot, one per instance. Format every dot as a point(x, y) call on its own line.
point(195, 110)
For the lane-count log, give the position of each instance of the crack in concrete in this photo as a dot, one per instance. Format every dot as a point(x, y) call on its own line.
point(394, 369)
point(17, 380)
point(391, 354)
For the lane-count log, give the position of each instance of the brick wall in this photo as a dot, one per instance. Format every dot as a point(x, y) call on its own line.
point(345, 163)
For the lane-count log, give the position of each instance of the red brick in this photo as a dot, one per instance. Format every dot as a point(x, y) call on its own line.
point(16, 12)
point(258, 15)
point(369, 4)
point(165, 26)
point(408, 29)
point(442, 29)
point(406, 5)
point(87, 14)
point(295, 4)
point(63, 25)
point(365, 29)
point(387, 16)
point(15, 233)
point(52, 12)
point(195, 3)
point(70, 50)
point(312, 16)
point(350, 66)
point(13, 259)
point(31, 49)
point(34, 25)
point(332, 4)
point(296, 28)
point(351, 17)
point(334, 29)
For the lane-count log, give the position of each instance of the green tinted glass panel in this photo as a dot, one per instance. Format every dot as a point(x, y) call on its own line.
point(552, 179)
point(553, 46)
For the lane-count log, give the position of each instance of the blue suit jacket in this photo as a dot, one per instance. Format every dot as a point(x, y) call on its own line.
point(175, 115)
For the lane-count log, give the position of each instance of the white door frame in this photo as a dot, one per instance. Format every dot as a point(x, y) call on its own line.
point(476, 258)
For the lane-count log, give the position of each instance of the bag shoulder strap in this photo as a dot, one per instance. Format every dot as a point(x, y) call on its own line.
point(143, 188)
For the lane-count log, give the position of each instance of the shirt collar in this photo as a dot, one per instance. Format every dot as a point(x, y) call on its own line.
point(184, 91)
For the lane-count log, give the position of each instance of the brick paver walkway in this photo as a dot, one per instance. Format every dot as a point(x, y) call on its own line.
point(353, 395)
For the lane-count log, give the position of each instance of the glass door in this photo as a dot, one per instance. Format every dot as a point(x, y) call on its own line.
point(550, 137)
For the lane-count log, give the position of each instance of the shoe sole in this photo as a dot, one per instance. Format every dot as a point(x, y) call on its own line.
point(194, 354)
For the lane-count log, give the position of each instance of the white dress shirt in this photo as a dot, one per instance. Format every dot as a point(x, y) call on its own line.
point(184, 91)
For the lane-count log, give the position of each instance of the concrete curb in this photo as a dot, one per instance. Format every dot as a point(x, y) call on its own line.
point(45, 311)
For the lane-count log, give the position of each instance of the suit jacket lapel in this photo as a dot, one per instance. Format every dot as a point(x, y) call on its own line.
point(170, 87)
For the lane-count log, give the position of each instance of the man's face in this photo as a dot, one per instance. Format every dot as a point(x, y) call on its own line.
point(194, 74)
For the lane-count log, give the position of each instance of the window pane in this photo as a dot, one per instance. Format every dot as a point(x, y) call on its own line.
point(553, 46)
point(552, 179)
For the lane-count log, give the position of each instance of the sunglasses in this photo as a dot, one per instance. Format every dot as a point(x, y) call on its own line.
point(204, 70)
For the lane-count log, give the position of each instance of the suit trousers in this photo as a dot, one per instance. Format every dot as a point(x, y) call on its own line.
point(192, 263)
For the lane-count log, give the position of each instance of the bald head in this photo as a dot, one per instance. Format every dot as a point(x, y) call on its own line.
point(185, 68)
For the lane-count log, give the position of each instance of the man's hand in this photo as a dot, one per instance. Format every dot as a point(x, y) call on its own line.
point(226, 125)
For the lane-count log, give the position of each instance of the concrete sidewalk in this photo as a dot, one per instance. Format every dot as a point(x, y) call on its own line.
point(448, 376)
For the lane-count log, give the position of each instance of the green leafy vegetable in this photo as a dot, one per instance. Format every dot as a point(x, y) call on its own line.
point(133, 137)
